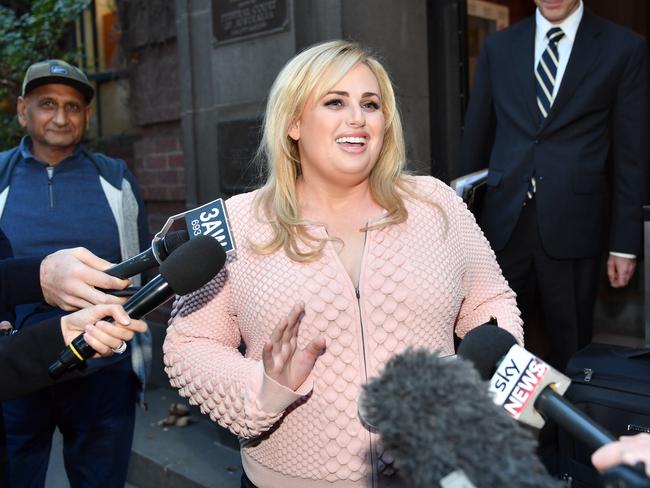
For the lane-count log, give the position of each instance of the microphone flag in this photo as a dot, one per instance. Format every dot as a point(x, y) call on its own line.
point(210, 219)
point(518, 381)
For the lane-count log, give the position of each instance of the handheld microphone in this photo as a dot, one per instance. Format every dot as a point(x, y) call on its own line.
point(530, 391)
point(190, 267)
point(152, 257)
point(436, 416)
point(527, 388)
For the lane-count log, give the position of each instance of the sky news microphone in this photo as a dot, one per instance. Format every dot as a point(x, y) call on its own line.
point(530, 391)
point(151, 258)
point(188, 268)
point(436, 416)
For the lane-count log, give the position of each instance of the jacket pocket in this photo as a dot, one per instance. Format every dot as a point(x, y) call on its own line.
point(494, 178)
point(589, 183)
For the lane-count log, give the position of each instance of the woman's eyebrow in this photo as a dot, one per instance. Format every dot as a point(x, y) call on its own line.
point(346, 94)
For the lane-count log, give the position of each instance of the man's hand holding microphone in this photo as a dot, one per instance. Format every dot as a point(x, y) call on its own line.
point(72, 278)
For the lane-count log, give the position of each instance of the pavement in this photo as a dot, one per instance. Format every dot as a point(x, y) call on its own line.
point(199, 455)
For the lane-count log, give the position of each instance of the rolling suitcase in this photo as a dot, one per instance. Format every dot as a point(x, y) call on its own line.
point(611, 384)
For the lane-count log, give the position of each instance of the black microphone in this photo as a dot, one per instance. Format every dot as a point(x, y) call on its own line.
point(526, 386)
point(529, 390)
point(435, 415)
point(188, 268)
point(152, 257)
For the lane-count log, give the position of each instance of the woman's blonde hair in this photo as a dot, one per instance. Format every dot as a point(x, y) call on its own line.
point(314, 72)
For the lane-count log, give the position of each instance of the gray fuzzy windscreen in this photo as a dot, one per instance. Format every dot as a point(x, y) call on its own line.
point(435, 415)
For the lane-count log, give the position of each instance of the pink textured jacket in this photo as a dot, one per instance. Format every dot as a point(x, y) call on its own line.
point(420, 281)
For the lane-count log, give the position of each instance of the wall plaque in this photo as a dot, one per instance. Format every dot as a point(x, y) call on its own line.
point(239, 19)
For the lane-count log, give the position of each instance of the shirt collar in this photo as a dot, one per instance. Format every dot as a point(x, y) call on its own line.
point(25, 149)
point(569, 25)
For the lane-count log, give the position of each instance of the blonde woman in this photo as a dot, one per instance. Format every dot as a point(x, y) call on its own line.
point(343, 261)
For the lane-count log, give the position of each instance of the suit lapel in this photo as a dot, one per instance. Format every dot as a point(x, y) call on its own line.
point(584, 55)
point(523, 54)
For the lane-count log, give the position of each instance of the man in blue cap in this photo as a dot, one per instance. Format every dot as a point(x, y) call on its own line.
point(55, 194)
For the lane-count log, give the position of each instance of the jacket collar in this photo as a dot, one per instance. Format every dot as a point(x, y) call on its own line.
point(523, 54)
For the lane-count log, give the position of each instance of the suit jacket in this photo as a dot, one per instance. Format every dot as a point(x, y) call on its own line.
point(588, 155)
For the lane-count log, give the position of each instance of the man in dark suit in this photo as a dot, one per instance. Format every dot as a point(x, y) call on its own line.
point(558, 113)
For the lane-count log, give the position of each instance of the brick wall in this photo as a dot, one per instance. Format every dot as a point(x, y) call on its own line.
point(159, 169)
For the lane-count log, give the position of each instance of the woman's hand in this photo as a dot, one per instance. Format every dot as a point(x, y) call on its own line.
point(283, 361)
point(102, 336)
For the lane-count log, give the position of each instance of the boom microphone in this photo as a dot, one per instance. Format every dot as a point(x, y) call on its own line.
point(188, 268)
point(437, 417)
point(152, 257)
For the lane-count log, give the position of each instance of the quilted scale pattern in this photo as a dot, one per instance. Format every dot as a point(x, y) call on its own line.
point(420, 281)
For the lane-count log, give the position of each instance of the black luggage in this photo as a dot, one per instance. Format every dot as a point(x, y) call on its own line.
point(611, 384)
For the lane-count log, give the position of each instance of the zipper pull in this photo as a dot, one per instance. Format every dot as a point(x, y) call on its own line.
point(588, 373)
point(356, 292)
point(50, 174)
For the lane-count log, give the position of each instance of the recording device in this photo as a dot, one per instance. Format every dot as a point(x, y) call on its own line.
point(530, 391)
point(152, 257)
point(188, 268)
point(436, 416)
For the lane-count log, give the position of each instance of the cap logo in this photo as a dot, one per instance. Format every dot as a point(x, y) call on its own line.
point(58, 70)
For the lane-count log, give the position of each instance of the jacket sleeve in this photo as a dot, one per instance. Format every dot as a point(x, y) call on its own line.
point(202, 360)
point(487, 293)
point(25, 357)
point(19, 282)
point(630, 153)
point(19, 278)
point(479, 126)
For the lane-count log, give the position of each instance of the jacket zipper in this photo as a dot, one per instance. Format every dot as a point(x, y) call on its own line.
point(50, 174)
point(374, 463)
point(358, 295)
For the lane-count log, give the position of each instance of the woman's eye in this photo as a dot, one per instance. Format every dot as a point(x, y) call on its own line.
point(371, 105)
point(336, 102)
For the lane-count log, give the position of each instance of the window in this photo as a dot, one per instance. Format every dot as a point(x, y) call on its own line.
point(98, 35)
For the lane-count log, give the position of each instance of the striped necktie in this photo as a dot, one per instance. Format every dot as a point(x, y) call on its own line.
point(547, 70)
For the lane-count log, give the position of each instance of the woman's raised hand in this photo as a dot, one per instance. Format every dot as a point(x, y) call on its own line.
point(283, 361)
